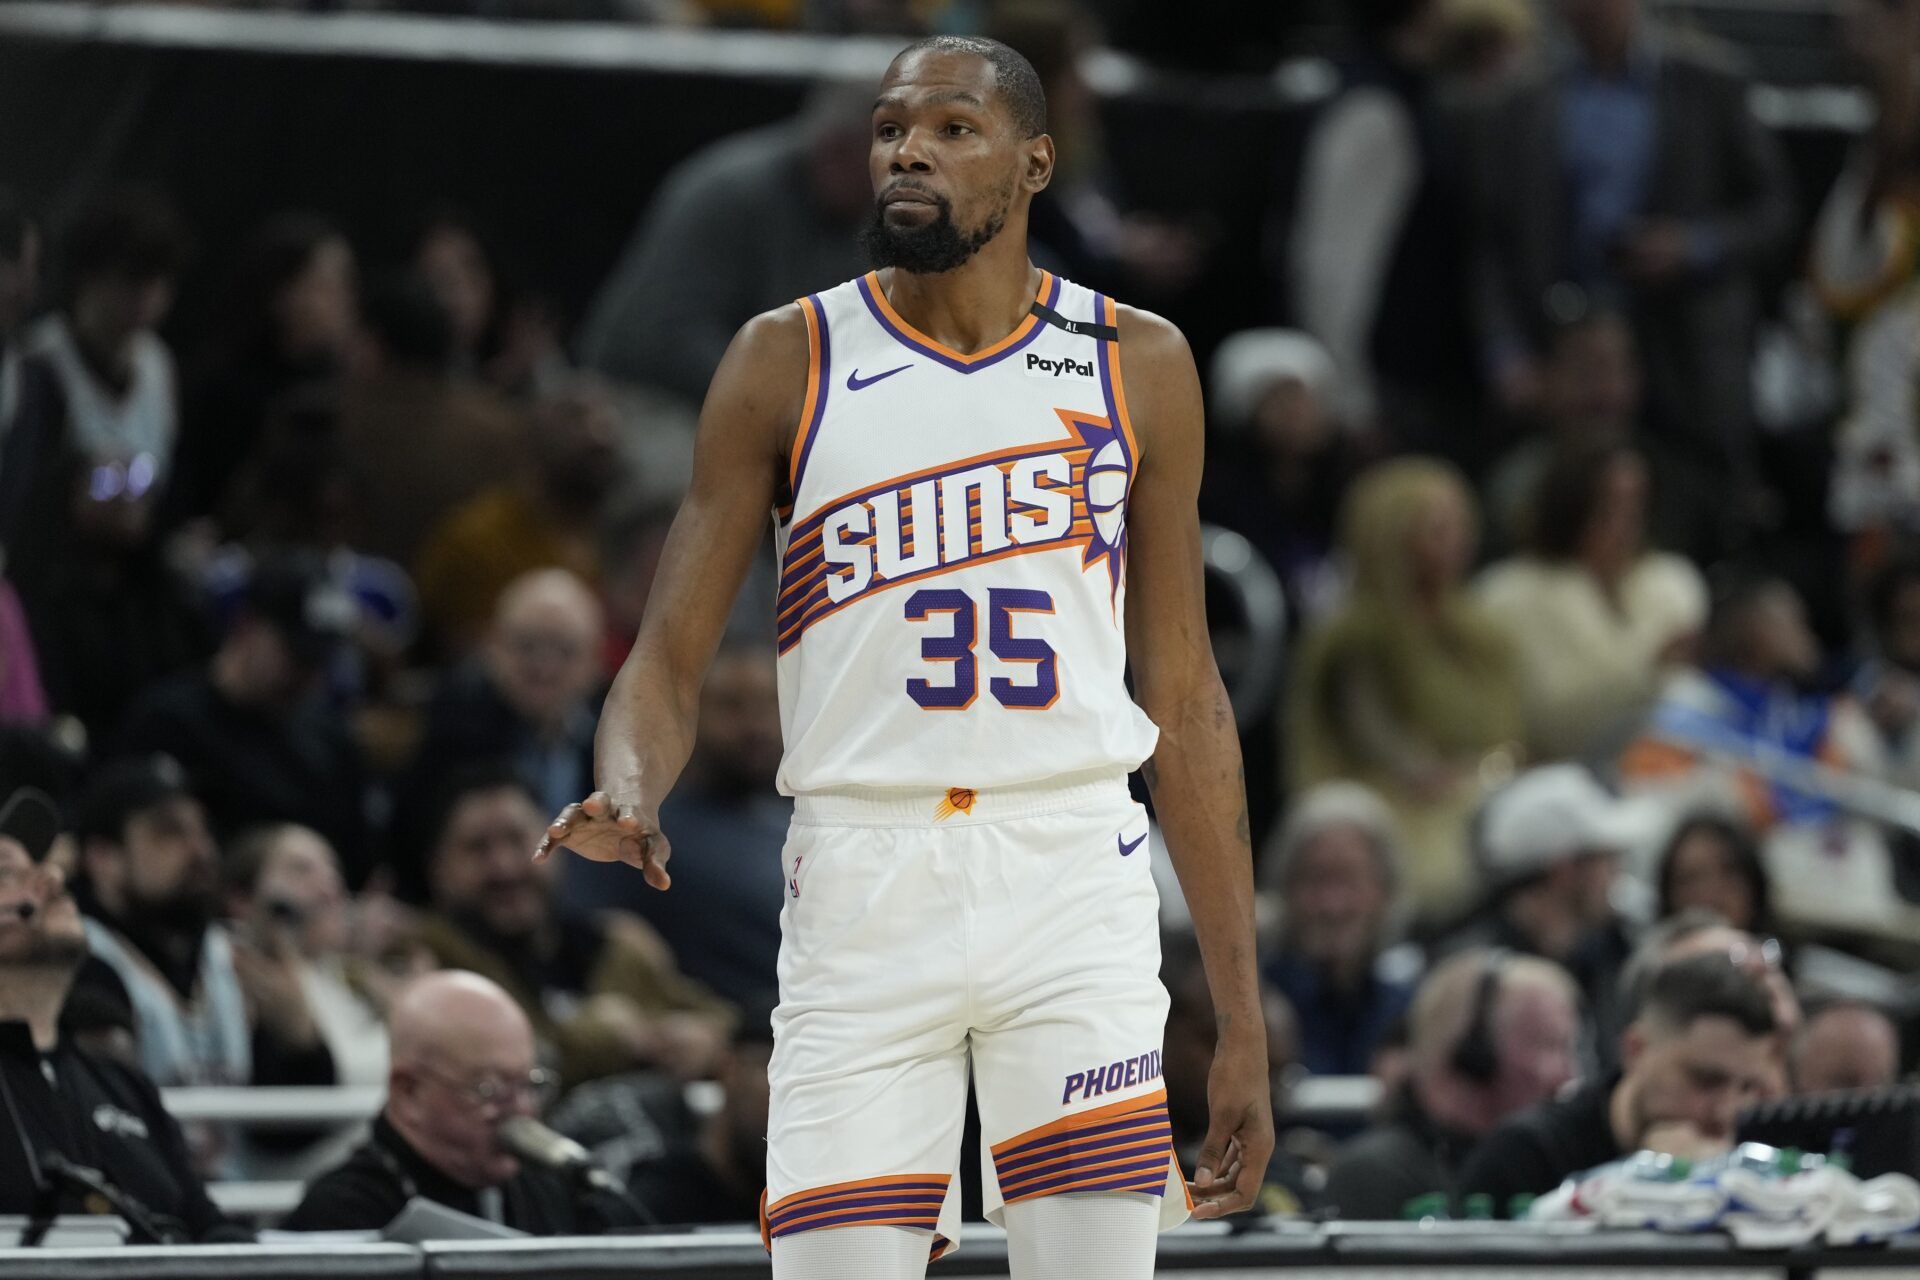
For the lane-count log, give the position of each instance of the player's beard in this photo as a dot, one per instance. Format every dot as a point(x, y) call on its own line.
point(928, 250)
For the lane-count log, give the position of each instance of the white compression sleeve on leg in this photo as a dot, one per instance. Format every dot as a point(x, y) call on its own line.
point(839, 1253)
point(1083, 1236)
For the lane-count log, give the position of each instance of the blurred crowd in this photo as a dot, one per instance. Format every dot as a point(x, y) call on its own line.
point(1593, 508)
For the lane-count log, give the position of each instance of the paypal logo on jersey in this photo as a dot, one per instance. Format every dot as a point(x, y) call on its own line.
point(1039, 366)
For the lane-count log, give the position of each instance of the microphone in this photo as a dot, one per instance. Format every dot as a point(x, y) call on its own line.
point(94, 1187)
point(533, 1142)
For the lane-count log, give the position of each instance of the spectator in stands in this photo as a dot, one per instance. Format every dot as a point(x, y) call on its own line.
point(1746, 699)
point(1598, 617)
point(1410, 688)
point(1714, 863)
point(114, 372)
point(1376, 251)
point(94, 449)
point(1282, 460)
point(258, 740)
point(1550, 843)
point(1590, 397)
point(508, 343)
point(1191, 1035)
point(532, 695)
point(1492, 1034)
point(1080, 225)
point(1699, 931)
point(1846, 1044)
point(163, 970)
point(720, 1175)
point(746, 225)
point(1633, 174)
point(91, 1111)
point(547, 518)
point(296, 495)
point(1864, 270)
point(290, 319)
point(1887, 683)
point(1694, 1055)
point(463, 1061)
point(1336, 868)
point(729, 827)
point(602, 990)
point(286, 895)
point(421, 442)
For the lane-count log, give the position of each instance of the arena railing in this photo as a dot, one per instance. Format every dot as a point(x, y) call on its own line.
point(1283, 1250)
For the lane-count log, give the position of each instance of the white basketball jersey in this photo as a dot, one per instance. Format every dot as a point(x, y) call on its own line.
point(952, 607)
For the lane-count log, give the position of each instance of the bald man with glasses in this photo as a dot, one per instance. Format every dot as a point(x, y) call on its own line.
point(462, 1062)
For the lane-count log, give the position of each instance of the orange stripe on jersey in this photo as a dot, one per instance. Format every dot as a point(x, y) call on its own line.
point(1078, 537)
point(1083, 1119)
point(1069, 446)
point(906, 1200)
point(811, 406)
point(1123, 1146)
point(1026, 326)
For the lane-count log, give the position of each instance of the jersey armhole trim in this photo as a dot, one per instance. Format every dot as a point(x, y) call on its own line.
point(1112, 386)
point(814, 407)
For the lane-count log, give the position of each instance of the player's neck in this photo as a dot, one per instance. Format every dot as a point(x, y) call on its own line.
point(974, 305)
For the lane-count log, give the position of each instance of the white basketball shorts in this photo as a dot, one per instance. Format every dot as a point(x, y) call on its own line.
point(1010, 932)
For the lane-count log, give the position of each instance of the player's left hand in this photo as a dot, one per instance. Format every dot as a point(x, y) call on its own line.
point(1233, 1160)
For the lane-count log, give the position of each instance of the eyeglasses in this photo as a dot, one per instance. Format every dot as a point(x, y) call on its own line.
point(1763, 953)
point(489, 1092)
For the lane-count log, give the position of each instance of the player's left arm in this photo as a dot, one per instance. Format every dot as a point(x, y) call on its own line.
point(1199, 790)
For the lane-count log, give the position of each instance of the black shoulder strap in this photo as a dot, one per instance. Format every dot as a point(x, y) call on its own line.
point(1103, 332)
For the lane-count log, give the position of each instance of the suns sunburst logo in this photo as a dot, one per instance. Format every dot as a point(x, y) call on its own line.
point(1066, 492)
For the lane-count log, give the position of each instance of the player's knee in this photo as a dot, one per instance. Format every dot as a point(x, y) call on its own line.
point(869, 1250)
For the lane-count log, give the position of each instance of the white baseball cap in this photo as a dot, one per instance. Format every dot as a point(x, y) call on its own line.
point(1545, 816)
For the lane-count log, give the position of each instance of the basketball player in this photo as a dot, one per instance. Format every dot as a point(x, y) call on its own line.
point(983, 483)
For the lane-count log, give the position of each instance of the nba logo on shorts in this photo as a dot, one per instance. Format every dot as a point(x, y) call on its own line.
point(793, 881)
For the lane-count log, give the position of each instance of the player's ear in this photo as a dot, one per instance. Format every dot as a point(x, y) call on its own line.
point(1039, 167)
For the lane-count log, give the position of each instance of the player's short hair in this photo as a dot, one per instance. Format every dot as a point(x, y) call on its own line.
point(1708, 986)
point(1014, 78)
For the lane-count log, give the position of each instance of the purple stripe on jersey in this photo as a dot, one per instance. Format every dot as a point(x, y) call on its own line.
point(908, 1217)
point(963, 366)
point(1134, 1170)
point(1081, 1153)
point(1106, 373)
point(906, 1193)
point(820, 396)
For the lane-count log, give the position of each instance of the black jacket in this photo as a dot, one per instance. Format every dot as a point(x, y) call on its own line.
point(103, 1115)
point(1407, 1156)
point(375, 1183)
point(1535, 1151)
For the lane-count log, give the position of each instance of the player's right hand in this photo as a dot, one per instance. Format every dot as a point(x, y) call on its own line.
point(603, 831)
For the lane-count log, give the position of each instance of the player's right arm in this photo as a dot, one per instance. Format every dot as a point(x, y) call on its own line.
point(648, 721)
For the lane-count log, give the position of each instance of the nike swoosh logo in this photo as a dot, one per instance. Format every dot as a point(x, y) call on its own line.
point(857, 383)
point(1128, 846)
